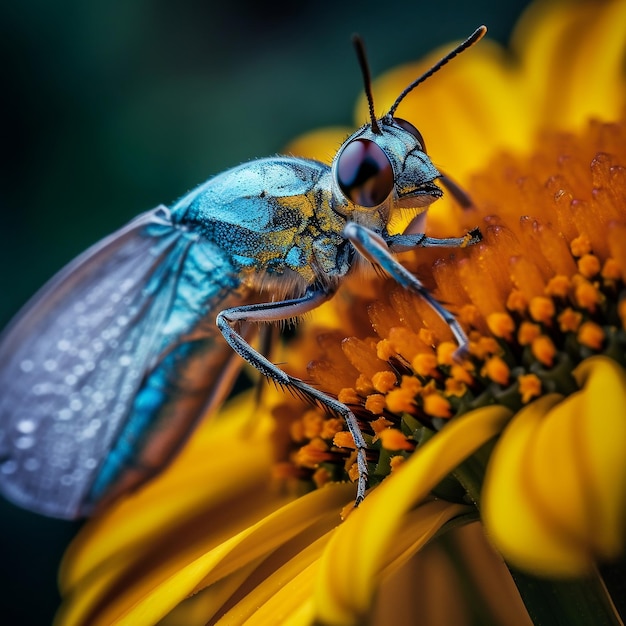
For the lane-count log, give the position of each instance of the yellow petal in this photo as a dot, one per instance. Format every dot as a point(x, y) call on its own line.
point(555, 474)
point(512, 520)
point(151, 596)
point(321, 145)
point(554, 498)
point(602, 423)
point(280, 598)
point(187, 487)
point(351, 565)
point(572, 59)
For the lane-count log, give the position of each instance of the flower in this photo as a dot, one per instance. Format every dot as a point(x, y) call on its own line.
point(525, 433)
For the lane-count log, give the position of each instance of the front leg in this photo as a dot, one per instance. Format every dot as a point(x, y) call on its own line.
point(404, 243)
point(228, 322)
point(377, 251)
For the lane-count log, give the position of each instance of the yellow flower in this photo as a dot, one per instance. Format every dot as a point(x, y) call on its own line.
point(537, 407)
point(556, 479)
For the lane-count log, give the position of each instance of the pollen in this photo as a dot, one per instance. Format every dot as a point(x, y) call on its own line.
point(591, 335)
point(353, 475)
point(425, 364)
point(497, 370)
point(331, 427)
point(589, 265)
point(375, 403)
point(364, 385)
point(543, 350)
point(406, 343)
point(385, 350)
point(400, 401)
point(313, 453)
point(411, 385)
point(558, 286)
point(501, 325)
point(380, 425)
point(569, 320)
point(454, 387)
point(446, 351)
point(427, 336)
point(461, 374)
point(349, 396)
point(611, 270)
point(312, 423)
point(469, 315)
point(517, 301)
point(483, 347)
point(437, 406)
point(542, 309)
point(527, 333)
point(586, 294)
point(384, 381)
point(344, 439)
point(395, 462)
point(392, 439)
point(580, 246)
point(529, 387)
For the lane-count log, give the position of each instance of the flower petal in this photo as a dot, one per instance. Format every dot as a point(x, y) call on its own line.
point(585, 81)
point(355, 555)
point(282, 596)
point(509, 511)
point(602, 423)
point(186, 487)
point(321, 145)
point(554, 498)
point(151, 596)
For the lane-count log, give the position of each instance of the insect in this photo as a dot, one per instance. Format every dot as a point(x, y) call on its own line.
point(107, 369)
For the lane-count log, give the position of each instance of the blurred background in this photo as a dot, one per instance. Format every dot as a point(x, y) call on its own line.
point(112, 107)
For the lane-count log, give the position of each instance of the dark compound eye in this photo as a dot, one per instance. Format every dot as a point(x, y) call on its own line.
point(364, 173)
point(411, 129)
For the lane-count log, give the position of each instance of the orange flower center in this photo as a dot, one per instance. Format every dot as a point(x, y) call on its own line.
point(542, 292)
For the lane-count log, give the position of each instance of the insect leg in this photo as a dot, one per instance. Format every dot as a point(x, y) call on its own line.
point(404, 242)
point(228, 322)
point(374, 248)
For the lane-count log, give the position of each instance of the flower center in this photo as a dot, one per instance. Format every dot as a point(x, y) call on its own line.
point(544, 291)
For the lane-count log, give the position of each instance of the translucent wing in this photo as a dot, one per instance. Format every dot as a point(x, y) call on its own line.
point(73, 359)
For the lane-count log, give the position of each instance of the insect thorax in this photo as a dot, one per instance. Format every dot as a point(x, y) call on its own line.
point(274, 218)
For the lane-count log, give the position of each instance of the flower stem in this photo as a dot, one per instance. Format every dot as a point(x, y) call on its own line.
point(566, 603)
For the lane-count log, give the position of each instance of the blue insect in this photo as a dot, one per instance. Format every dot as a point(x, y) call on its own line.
point(107, 369)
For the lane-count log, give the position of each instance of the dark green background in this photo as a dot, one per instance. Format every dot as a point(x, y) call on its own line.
point(111, 107)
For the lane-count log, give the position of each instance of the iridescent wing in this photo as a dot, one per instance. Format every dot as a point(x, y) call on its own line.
point(73, 359)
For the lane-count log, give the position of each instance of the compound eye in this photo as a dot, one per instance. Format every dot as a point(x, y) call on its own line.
point(411, 129)
point(364, 173)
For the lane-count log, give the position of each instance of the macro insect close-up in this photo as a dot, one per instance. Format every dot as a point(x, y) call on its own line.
point(337, 368)
point(108, 368)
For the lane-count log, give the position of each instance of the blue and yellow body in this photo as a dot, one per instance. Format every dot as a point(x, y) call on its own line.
point(106, 370)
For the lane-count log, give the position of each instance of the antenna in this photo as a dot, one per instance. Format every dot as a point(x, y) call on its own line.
point(359, 46)
point(475, 37)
